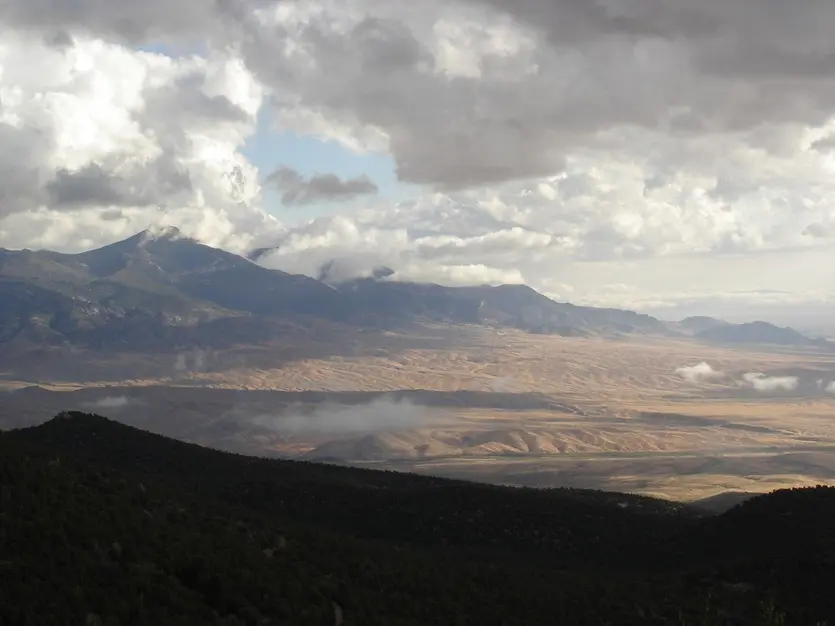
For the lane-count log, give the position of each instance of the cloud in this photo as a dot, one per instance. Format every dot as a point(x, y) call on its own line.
point(715, 174)
point(761, 382)
point(89, 185)
point(830, 387)
point(298, 190)
point(456, 275)
point(91, 127)
point(438, 87)
point(93, 186)
point(596, 223)
point(110, 402)
point(703, 372)
point(122, 20)
point(194, 361)
point(24, 151)
point(353, 246)
point(699, 373)
point(380, 415)
point(381, 72)
point(441, 85)
point(824, 144)
point(735, 38)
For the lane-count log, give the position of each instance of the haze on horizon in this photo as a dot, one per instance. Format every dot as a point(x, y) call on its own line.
point(670, 157)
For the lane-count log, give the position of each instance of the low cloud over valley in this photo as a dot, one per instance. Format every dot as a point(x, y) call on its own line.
point(109, 403)
point(757, 381)
point(699, 373)
point(380, 415)
point(760, 382)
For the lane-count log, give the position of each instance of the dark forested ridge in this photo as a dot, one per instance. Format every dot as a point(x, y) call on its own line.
point(101, 523)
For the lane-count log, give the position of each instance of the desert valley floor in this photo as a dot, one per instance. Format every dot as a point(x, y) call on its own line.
point(495, 406)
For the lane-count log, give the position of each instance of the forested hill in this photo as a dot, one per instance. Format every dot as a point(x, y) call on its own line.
point(105, 524)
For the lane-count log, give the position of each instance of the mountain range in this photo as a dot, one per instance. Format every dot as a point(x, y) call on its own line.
point(160, 290)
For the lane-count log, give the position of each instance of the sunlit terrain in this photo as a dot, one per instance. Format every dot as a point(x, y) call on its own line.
point(674, 418)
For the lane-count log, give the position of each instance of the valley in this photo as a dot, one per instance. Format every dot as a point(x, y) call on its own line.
point(502, 406)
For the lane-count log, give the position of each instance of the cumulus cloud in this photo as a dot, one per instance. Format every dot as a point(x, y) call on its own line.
point(352, 246)
point(296, 189)
point(442, 84)
point(699, 373)
point(704, 372)
point(694, 163)
point(93, 128)
point(760, 382)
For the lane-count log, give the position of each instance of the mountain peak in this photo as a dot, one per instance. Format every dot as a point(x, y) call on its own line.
point(157, 232)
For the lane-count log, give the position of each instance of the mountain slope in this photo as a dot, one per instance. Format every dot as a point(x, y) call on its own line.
point(167, 260)
point(160, 290)
point(155, 290)
point(515, 306)
point(364, 502)
point(105, 524)
point(168, 288)
point(699, 323)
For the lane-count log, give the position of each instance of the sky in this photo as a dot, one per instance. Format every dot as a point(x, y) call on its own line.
point(668, 156)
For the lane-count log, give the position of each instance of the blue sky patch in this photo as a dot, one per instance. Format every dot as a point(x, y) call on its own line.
point(269, 149)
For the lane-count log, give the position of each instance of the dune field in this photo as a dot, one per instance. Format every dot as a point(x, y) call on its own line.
point(675, 418)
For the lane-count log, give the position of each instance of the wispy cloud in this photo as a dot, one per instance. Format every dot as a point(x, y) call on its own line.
point(380, 415)
point(110, 402)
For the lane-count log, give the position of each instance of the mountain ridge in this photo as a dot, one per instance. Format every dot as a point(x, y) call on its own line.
point(759, 332)
point(159, 289)
point(152, 530)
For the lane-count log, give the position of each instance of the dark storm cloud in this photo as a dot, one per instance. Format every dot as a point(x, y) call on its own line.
point(124, 19)
point(90, 185)
point(140, 185)
point(668, 65)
